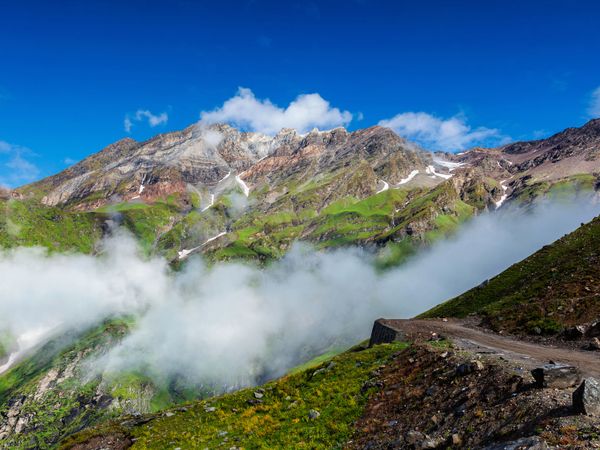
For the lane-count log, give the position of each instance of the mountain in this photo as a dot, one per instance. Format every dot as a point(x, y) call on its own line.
point(230, 194)
point(533, 167)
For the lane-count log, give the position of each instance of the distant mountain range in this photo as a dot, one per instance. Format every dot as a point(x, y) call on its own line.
point(230, 194)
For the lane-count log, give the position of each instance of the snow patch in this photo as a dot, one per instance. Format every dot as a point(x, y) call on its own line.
point(410, 176)
point(212, 202)
point(385, 187)
point(186, 252)
point(243, 185)
point(448, 164)
point(215, 237)
point(431, 170)
point(504, 196)
point(225, 177)
point(141, 189)
point(25, 342)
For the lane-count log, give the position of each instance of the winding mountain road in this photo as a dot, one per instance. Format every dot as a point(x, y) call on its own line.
point(524, 353)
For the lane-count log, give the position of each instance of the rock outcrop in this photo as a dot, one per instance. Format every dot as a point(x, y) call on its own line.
point(383, 333)
point(586, 398)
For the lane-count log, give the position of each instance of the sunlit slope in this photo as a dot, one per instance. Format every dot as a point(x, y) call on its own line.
point(315, 408)
point(556, 287)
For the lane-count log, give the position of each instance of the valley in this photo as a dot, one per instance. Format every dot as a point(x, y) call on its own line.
point(205, 203)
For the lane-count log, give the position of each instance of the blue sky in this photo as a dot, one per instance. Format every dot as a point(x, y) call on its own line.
point(450, 74)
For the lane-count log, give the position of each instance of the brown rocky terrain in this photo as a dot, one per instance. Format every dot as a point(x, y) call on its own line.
point(570, 152)
point(202, 157)
point(463, 387)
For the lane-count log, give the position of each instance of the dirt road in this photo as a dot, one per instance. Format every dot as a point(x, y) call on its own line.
point(527, 354)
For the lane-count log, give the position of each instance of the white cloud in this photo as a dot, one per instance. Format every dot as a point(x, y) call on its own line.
point(442, 134)
point(127, 123)
point(70, 161)
point(226, 325)
point(594, 106)
point(143, 114)
point(307, 111)
point(15, 167)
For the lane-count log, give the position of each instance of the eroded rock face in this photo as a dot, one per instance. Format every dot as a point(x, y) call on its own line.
point(204, 156)
point(586, 398)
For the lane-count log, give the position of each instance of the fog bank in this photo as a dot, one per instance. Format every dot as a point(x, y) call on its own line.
point(234, 324)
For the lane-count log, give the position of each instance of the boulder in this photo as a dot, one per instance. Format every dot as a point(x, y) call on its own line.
point(554, 375)
point(593, 330)
point(470, 367)
point(527, 443)
point(586, 398)
point(574, 333)
point(382, 333)
point(593, 345)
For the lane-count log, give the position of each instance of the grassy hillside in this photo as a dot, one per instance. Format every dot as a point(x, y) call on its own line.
point(315, 408)
point(54, 392)
point(28, 223)
point(556, 287)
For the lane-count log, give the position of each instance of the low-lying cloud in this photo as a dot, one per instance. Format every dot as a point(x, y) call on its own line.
point(233, 324)
point(436, 133)
point(249, 113)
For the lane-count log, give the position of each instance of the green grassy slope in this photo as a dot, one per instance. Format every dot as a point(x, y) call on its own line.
point(28, 223)
point(556, 287)
point(51, 414)
point(337, 390)
point(55, 392)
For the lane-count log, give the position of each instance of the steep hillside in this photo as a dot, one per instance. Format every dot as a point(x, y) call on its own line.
point(557, 287)
point(424, 395)
point(315, 408)
point(56, 391)
point(526, 170)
